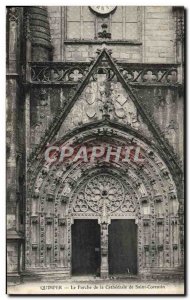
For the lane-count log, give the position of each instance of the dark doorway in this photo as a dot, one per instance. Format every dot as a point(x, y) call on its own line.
point(122, 245)
point(85, 247)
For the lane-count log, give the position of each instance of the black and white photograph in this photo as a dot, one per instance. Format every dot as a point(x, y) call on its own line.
point(95, 121)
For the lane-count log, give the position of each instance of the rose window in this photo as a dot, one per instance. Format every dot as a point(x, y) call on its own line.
point(104, 191)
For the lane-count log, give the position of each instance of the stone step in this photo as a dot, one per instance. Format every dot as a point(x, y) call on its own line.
point(44, 277)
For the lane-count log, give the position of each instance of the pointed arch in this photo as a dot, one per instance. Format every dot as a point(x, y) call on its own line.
point(105, 56)
point(150, 188)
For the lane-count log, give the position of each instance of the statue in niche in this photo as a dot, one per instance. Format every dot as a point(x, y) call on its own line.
point(67, 189)
point(104, 238)
point(170, 131)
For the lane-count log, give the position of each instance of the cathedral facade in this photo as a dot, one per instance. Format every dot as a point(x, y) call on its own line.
point(106, 84)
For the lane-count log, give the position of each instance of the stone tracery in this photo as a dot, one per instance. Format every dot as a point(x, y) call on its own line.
point(79, 184)
point(151, 194)
point(102, 190)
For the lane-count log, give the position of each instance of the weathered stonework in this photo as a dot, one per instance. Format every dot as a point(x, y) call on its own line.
point(69, 84)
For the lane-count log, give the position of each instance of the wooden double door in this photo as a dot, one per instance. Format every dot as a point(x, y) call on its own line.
point(86, 247)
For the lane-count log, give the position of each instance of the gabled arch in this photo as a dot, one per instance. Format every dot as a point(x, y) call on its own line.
point(53, 190)
point(94, 129)
point(105, 56)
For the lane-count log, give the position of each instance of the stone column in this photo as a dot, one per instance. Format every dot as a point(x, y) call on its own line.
point(40, 33)
point(179, 17)
point(104, 269)
point(13, 75)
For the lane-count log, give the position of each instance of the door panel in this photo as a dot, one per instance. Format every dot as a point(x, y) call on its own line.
point(122, 243)
point(85, 247)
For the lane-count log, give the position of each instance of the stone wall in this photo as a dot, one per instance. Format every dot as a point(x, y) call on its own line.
point(159, 34)
point(56, 21)
point(151, 39)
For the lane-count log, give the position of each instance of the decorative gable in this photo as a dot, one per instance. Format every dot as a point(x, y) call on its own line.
point(104, 96)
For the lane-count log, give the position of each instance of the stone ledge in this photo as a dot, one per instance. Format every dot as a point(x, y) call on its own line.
point(14, 235)
point(107, 42)
point(13, 278)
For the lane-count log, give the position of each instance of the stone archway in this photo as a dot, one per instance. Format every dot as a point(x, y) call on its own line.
point(151, 200)
point(102, 196)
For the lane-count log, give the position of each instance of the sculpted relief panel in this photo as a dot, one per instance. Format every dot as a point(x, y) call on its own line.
point(103, 98)
point(145, 193)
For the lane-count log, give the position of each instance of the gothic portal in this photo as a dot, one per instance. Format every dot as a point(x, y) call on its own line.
point(88, 87)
